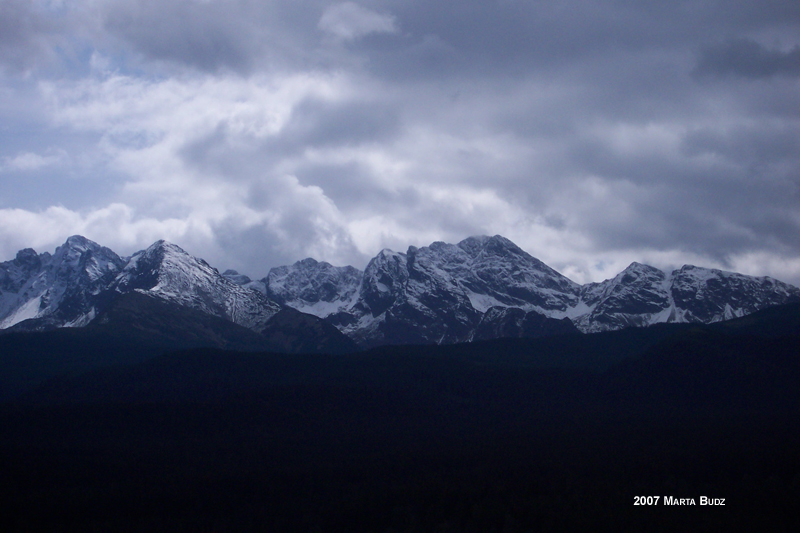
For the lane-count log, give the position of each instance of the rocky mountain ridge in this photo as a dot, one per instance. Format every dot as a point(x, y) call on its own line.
point(446, 293)
point(72, 286)
point(480, 288)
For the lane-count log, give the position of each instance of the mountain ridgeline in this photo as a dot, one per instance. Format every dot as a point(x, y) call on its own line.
point(481, 288)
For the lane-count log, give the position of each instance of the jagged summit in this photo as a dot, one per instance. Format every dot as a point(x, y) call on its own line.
point(312, 286)
point(480, 242)
point(638, 267)
point(80, 242)
point(63, 289)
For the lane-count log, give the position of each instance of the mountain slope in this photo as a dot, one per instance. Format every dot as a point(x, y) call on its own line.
point(510, 322)
point(166, 271)
point(141, 315)
point(291, 331)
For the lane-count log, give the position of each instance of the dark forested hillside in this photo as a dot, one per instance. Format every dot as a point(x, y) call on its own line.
point(506, 435)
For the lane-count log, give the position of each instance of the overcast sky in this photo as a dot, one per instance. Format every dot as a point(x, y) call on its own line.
point(254, 133)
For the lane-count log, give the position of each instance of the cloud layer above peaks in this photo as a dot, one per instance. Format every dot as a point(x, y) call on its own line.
point(257, 133)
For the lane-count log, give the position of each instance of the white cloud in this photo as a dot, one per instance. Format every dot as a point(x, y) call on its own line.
point(149, 133)
point(782, 267)
point(116, 225)
point(262, 132)
point(348, 21)
point(29, 161)
point(146, 125)
point(125, 107)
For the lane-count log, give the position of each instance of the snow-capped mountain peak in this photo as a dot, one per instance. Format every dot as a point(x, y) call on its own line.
point(440, 291)
point(166, 271)
point(710, 295)
point(642, 295)
point(314, 287)
point(61, 289)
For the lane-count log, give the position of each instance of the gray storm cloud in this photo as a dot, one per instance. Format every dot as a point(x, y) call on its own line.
point(349, 21)
point(255, 133)
point(747, 58)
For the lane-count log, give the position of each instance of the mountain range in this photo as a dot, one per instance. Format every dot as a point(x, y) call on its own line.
point(481, 288)
point(153, 392)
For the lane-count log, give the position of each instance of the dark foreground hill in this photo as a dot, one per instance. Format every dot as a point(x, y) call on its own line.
point(552, 434)
point(136, 327)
